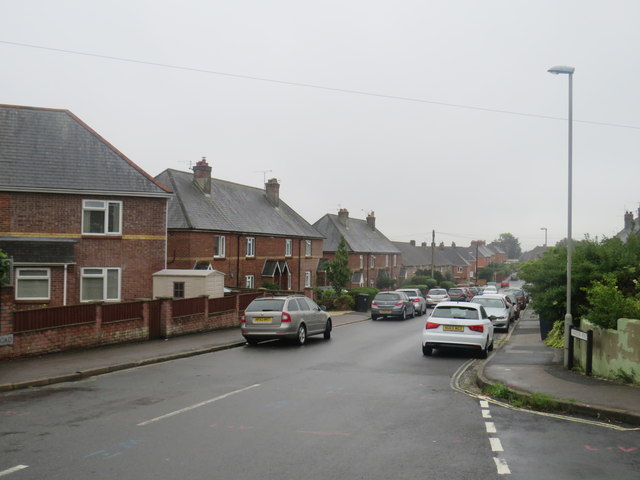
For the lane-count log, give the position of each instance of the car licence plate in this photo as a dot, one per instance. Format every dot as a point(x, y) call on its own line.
point(385, 311)
point(452, 328)
point(263, 320)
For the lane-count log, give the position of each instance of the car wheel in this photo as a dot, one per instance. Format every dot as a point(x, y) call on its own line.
point(327, 330)
point(301, 337)
point(484, 353)
point(251, 341)
point(413, 313)
point(404, 314)
point(491, 346)
point(427, 351)
point(374, 317)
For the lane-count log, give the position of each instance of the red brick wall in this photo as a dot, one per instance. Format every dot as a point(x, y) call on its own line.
point(187, 248)
point(198, 323)
point(139, 252)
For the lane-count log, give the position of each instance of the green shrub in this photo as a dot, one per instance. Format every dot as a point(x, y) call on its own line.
point(371, 291)
point(344, 302)
point(607, 303)
point(555, 338)
point(446, 284)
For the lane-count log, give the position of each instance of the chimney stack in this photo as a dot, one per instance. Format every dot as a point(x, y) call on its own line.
point(424, 245)
point(371, 220)
point(628, 220)
point(272, 187)
point(202, 175)
point(412, 243)
point(343, 216)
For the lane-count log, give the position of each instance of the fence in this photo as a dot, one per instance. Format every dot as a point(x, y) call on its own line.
point(44, 318)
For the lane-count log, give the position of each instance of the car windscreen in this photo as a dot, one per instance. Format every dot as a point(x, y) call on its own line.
point(489, 302)
point(388, 296)
point(269, 305)
point(456, 312)
point(437, 291)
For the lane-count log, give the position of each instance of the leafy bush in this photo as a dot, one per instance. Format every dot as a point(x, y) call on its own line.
point(607, 303)
point(386, 283)
point(371, 291)
point(446, 284)
point(555, 338)
point(272, 286)
point(344, 302)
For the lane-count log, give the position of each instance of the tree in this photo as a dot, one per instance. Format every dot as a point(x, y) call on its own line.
point(510, 244)
point(338, 272)
point(4, 267)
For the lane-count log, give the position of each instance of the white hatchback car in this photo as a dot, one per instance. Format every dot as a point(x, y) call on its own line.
point(458, 325)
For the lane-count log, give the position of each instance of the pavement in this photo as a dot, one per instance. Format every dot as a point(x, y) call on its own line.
point(522, 362)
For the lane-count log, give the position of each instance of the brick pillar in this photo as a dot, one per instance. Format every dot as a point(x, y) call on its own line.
point(98, 317)
point(6, 310)
point(166, 317)
point(145, 317)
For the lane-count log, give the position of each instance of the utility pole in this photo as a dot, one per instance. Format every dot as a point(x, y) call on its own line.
point(433, 252)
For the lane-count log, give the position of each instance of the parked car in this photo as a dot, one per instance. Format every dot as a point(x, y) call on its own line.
point(513, 301)
point(419, 302)
point(436, 295)
point(520, 295)
point(499, 310)
point(504, 283)
point(294, 317)
point(457, 294)
point(489, 289)
point(458, 325)
point(392, 304)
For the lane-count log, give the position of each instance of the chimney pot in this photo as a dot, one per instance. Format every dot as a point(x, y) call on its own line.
point(371, 220)
point(628, 220)
point(202, 175)
point(272, 187)
point(412, 243)
point(343, 216)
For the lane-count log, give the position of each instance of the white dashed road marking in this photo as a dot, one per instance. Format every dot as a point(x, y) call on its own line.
point(491, 428)
point(496, 445)
point(13, 470)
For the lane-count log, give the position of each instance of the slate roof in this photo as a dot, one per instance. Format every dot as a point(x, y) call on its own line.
point(534, 254)
point(231, 207)
point(53, 150)
point(358, 235)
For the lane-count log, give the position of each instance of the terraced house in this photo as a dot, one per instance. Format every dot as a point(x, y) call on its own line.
point(80, 221)
point(247, 233)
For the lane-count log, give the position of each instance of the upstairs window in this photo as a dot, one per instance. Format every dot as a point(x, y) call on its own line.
point(307, 279)
point(361, 262)
point(251, 247)
point(372, 261)
point(307, 248)
point(218, 246)
point(288, 247)
point(101, 217)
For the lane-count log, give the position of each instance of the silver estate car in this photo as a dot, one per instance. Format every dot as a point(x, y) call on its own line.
point(294, 317)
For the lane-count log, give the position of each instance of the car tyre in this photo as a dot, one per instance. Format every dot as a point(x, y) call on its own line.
point(327, 330)
point(404, 314)
point(484, 352)
point(301, 336)
point(491, 346)
point(251, 341)
point(374, 317)
point(427, 351)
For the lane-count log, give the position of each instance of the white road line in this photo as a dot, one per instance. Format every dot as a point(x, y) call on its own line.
point(491, 428)
point(484, 404)
point(501, 465)
point(486, 413)
point(13, 470)
point(496, 445)
point(206, 402)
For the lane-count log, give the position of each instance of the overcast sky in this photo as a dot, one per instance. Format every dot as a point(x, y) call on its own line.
point(435, 114)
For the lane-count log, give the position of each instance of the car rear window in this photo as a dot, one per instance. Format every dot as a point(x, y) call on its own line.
point(387, 296)
point(266, 305)
point(456, 312)
point(437, 291)
point(455, 290)
point(489, 302)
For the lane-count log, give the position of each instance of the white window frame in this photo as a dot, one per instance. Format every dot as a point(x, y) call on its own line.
point(307, 248)
point(94, 205)
point(220, 241)
point(20, 279)
point(289, 281)
point(361, 262)
point(386, 260)
point(251, 247)
point(288, 247)
point(460, 269)
point(395, 260)
point(104, 271)
point(249, 281)
point(307, 279)
point(372, 261)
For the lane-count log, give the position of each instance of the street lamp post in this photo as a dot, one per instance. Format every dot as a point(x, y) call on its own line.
point(545, 235)
point(568, 320)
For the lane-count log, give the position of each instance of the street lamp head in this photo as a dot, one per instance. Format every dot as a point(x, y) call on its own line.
point(561, 69)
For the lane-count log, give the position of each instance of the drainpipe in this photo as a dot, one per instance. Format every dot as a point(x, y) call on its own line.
point(64, 286)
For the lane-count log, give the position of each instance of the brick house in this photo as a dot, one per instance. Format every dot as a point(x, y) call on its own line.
point(247, 233)
point(80, 220)
point(371, 255)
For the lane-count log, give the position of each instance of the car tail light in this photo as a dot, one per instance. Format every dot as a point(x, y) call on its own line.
point(476, 328)
point(399, 304)
point(242, 319)
point(285, 317)
point(431, 325)
point(416, 300)
point(374, 304)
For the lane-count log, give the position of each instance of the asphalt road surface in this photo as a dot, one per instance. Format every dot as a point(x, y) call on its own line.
point(364, 405)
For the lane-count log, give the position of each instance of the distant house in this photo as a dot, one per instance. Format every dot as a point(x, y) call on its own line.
point(247, 233)
point(631, 226)
point(81, 222)
point(449, 261)
point(533, 254)
point(372, 256)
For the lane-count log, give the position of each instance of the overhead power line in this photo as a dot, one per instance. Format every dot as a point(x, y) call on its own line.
point(309, 85)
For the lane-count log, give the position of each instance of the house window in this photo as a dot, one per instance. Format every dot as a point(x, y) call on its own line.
point(33, 283)
point(307, 279)
point(100, 284)
point(249, 281)
point(101, 217)
point(178, 289)
point(218, 246)
point(288, 281)
point(459, 269)
point(372, 261)
point(395, 260)
point(386, 260)
point(288, 247)
point(361, 261)
point(251, 247)
point(307, 248)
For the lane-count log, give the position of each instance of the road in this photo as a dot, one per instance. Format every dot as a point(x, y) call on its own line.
point(365, 404)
